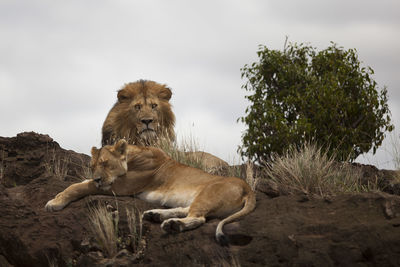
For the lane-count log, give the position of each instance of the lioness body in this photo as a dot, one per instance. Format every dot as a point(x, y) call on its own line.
point(150, 174)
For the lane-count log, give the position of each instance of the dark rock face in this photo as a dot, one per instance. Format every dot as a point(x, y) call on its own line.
point(346, 230)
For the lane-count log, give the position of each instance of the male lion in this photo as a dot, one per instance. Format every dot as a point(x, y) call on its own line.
point(152, 175)
point(141, 115)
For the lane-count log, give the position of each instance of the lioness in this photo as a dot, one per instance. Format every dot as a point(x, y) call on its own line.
point(153, 176)
point(141, 115)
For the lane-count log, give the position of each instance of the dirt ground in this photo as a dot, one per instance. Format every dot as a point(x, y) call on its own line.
point(345, 230)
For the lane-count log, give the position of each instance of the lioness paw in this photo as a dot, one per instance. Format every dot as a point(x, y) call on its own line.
point(173, 226)
point(54, 205)
point(152, 216)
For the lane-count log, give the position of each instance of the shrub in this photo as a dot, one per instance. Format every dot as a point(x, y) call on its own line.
point(299, 94)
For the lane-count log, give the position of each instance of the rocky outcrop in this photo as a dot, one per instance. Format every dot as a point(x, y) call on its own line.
point(345, 230)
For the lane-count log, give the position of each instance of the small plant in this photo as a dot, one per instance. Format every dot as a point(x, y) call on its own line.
point(182, 152)
point(57, 165)
point(135, 225)
point(395, 150)
point(311, 171)
point(251, 179)
point(85, 170)
point(52, 262)
point(104, 226)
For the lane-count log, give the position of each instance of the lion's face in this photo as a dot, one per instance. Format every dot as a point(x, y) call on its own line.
point(143, 111)
point(141, 115)
point(109, 163)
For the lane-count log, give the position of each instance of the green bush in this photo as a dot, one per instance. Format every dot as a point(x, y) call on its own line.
point(300, 95)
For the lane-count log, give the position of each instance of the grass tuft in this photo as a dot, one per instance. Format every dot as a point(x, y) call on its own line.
point(182, 152)
point(251, 179)
point(311, 171)
point(135, 225)
point(85, 170)
point(104, 226)
point(57, 165)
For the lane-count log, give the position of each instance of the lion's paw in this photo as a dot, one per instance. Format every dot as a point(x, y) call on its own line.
point(173, 226)
point(54, 205)
point(152, 216)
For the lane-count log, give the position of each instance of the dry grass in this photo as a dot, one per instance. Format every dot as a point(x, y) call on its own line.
point(52, 262)
point(251, 178)
point(395, 153)
point(85, 170)
point(104, 226)
point(178, 152)
point(57, 165)
point(395, 150)
point(309, 170)
point(135, 225)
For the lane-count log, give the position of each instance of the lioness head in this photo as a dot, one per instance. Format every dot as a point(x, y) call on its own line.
point(108, 163)
point(141, 115)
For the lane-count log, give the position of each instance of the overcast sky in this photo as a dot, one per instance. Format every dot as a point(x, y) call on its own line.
point(61, 62)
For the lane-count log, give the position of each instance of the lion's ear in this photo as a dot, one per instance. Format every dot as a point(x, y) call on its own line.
point(122, 96)
point(121, 146)
point(165, 93)
point(95, 153)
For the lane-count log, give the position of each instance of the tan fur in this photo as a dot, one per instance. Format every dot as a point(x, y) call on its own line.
point(208, 160)
point(141, 115)
point(150, 174)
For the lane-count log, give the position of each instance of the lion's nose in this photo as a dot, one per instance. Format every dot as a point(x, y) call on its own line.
point(147, 121)
point(97, 179)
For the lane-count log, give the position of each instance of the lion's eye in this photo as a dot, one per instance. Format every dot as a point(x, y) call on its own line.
point(104, 163)
point(111, 167)
point(138, 106)
point(153, 106)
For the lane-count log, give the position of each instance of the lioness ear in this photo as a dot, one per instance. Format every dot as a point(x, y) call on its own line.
point(94, 151)
point(121, 146)
point(165, 93)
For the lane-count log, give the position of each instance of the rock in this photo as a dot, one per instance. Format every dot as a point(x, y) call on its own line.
point(344, 230)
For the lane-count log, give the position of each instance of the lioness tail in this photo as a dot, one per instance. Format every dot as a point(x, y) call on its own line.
point(249, 205)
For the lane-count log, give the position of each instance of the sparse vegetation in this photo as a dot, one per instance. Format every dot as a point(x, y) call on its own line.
point(57, 165)
point(181, 152)
point(311, 171)
point(395, 153)
point(52, 262)
point(85, 170)
point(395, 147)
point(104, 226)
point(251, 178)
point(135, 225)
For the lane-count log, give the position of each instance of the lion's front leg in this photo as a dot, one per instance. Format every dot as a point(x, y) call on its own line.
point(72, 193)
point(159, 215)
